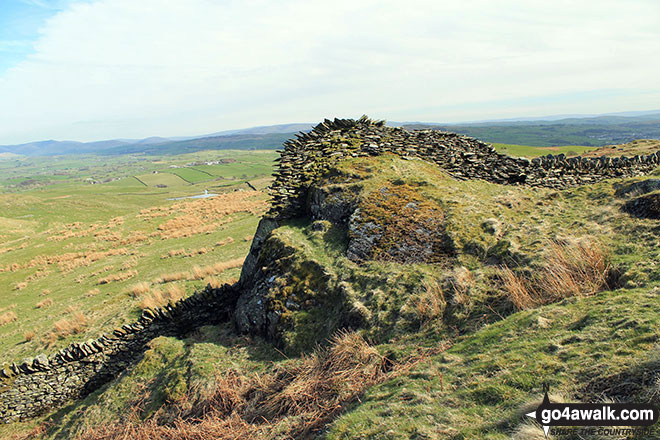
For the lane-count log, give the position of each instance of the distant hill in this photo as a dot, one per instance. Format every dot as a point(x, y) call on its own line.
point(264, 137)
point(589, 131)
point(266, 129)
point(51, 147)
point(226, 142)
point(550, 131)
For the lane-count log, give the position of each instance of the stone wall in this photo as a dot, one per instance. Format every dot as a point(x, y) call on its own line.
point(306, 158)
point(37, 385)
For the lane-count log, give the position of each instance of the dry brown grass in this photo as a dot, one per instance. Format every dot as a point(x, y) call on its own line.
point(130, 263)
point(44, 303)
point(224, 242)
point(184, 253)
point(37, 275)
point(575, 268)
point(214, 282)
point(30, 434)
point(11, 268)
point(107, 235)
point(517, 290)
point(198, 273)
point(29, 335)
point(92, 292)
point(73, 260)
point(121, 276)
point(202, 216)
point(139, 289)
point(75, 324)
point(185, 226)
point(169, 277)
point(173, 253)
point(570, 268)
point(198, 251)
point(295, 401)
point(430, 303)
point(134, 237)
point(159, 298)
point(8, 317)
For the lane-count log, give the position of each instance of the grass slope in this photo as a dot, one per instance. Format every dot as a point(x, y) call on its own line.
point(75, 252)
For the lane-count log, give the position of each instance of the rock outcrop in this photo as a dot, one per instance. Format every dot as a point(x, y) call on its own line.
point(397, 225)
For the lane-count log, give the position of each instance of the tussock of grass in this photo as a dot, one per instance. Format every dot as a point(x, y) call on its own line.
point(173, 253)
point(430, 303)
point(29, 335)
point(570, 268)
point(131, 262)
point(92, 292)
point(8, 317)
point(115, 277)
point(159, 298)
point(200, 272)
point(44, 303)
point(139, 289)
point(225, 241)
point(169, 277)
point(64, 327)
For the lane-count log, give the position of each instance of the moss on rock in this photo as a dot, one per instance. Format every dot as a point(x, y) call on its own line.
point(397, 223)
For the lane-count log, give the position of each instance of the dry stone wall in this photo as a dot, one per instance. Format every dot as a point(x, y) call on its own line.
point(305, 159)
point(37, 385)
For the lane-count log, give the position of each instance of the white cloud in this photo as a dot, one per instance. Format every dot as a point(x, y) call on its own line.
point(121, 68)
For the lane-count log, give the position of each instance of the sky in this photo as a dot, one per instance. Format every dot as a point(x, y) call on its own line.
point(104, 69)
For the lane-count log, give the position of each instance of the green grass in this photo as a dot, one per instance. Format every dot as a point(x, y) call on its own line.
point(481, 387)
point(531, 152)
point(191, 175)
point(167, 179)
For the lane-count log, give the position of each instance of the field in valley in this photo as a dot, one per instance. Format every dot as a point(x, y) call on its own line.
point(86, 242)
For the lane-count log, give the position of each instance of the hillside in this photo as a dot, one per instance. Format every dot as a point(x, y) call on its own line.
point(401, 285)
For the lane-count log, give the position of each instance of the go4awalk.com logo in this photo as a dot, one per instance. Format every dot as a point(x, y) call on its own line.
point(550, 414)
